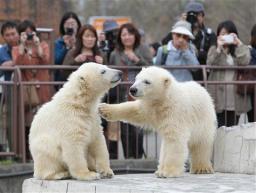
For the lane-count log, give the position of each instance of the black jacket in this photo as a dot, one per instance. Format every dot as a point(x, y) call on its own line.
point(203, 41)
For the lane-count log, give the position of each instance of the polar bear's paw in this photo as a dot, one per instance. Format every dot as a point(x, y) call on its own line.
point(168, 173)
point(87, 176)
point(106, 111)
point(202, 169)
point(107, 173)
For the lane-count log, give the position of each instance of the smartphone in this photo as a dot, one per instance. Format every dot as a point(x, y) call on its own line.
point(69, 31)
point(229, 39)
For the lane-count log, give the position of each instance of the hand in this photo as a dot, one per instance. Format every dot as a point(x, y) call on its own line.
point(183, 16)
point(220, 42)
point(132, 56)
point(36, 39)
point(23, 37)
point(80, 58)
point(99, 59)
point(8, 63)
point(237, 41)
point(69, 41)
point(184, 46)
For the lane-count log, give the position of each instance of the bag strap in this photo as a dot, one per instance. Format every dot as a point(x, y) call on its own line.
point(164, 54)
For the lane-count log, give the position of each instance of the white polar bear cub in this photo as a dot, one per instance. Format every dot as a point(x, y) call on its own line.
point(181, 112)
point(66, 137)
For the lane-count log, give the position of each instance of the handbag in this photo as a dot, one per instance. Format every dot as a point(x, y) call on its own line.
point(246, 75)
point(30, 96)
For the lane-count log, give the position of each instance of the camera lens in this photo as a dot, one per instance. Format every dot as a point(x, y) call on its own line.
point(192, 17)
point(30, 36)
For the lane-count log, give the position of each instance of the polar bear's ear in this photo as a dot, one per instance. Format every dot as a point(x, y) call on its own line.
point(143, 68)
point(167, 82)
point(82, 80)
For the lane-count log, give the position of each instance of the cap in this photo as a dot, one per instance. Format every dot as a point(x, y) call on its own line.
point(194, 7)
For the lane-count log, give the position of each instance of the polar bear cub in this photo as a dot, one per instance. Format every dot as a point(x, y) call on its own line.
point(66, 137)
point(181, 112)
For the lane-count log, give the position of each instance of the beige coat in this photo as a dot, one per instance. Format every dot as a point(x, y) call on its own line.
point(221, 99)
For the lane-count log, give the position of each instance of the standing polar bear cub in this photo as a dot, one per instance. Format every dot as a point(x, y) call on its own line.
point(66, 137)
point(182, 113)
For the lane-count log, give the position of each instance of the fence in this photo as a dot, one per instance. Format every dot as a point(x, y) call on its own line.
point(136, 143)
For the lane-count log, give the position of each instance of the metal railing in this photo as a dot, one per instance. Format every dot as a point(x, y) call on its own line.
point(16, 129)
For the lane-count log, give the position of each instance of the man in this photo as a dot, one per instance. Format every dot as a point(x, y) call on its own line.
point(179, 51)
point(204, 36)
point(10, 35)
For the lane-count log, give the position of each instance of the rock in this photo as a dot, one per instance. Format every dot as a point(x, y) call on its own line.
point(235, 149)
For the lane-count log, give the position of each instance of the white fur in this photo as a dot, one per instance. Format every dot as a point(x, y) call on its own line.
point(66, 137)
point(182, 113)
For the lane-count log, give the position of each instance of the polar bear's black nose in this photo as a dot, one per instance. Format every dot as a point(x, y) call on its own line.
point(120, 73)
point(133, 91)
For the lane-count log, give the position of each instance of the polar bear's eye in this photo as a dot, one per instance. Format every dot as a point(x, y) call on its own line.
point(103, 71)
point(147, 82)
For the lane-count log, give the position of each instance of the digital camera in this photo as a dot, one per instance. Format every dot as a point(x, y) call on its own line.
point(192, 18)
point(69, 31)
point(228, 39)
point(30, 36)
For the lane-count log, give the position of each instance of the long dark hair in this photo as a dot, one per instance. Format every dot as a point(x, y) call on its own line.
point(231, 28)
point(79, 41)
point(253, 37)
point(64, 18)
point(131, 29)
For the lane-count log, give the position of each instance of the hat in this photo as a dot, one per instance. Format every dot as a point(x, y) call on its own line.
point(183, 27)
point(194, 7)
point(110, 25)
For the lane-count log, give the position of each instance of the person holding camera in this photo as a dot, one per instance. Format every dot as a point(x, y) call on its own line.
point(252, 46)
point(68, 29)
point(108, 37)
point(229, 51)
point(85, 50)
point(179, 51)
point(204, 36)
point(32, 51)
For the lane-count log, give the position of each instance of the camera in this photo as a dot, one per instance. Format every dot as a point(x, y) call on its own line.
point(30, 36)
point(192, 19)
point(229, 39)
point(108, 45)
point(69, 31)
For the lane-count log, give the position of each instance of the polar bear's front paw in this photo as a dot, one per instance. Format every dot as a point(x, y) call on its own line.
point(87, 176)
point(106, 111)
point(168, 173)
point(108, 173)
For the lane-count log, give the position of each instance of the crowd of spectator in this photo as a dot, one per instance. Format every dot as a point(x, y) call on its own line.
point(189, 42)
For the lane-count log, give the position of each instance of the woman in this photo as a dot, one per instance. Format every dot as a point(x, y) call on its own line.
point(129, 52)
point(86, 49)
point(228, 103)
point(253, 72)
point(68, 29)
point(31, 51)
point(179, 51)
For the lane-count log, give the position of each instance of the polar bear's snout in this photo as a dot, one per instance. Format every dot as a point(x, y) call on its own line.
point(117, 76)
point(133, 91)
